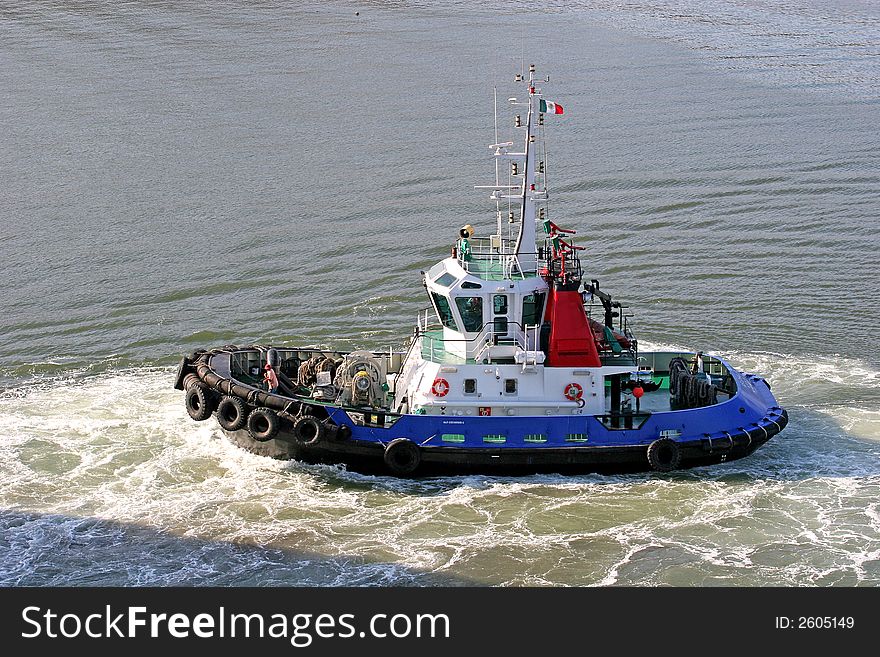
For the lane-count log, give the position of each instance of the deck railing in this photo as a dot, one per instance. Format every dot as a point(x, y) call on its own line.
point(494, 258)
point(436, 348)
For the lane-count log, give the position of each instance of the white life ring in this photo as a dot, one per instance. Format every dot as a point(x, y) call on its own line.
point(573, 391)
point(440, 387)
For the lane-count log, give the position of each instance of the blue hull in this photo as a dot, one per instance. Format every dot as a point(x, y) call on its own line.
point(753, 407)
point(438, 444)
point(518, 445)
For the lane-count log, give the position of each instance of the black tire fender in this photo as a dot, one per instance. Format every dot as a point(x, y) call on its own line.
point(199, 402)
point(263, 424)
point(402, 456)
point(307, 430)
point(181, 373)
point(232, 413)
point(189, 380)
point(664, 455)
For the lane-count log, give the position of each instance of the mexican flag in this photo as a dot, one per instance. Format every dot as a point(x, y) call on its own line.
point(551, 108)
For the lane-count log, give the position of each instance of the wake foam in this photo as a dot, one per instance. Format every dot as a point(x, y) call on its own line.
point(107, 480)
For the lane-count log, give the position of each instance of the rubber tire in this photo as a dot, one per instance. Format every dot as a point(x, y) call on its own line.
point(664, 455)
point(402, 456)
point(189, 380)
point(263, 424)
point(181, 370)
point(199, 402)
point(307, 431)
point(232, 413)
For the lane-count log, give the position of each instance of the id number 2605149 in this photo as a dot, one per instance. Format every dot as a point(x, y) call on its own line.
point(815, 623)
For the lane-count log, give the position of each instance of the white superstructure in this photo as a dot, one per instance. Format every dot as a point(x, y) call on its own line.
point(482, 347)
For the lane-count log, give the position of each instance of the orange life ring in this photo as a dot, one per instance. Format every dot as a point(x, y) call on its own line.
point(440, 387)
point(573, 391)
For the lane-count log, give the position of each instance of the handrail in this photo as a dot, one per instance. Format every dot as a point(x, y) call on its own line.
point(480, 345)
point(601, 347)
point(437, 326)
point(508, 260)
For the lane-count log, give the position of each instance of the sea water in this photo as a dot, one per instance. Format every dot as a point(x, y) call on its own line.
point(176, 176)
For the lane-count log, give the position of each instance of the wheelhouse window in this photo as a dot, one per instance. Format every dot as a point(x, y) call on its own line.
point(499, 304)
point(532, 308)
point(444, 311)
point(445, 280)
point(471, 309)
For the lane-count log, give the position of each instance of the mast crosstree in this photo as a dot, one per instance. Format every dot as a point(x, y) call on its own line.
point(522, 252)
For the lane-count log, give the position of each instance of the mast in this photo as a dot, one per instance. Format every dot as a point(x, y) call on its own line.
point(519, 254)
point(497, 173)
point(526, 247)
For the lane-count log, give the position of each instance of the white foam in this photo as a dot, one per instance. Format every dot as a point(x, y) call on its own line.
point(120, 448)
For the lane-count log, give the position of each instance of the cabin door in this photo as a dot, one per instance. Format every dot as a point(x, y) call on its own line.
point(500, 313)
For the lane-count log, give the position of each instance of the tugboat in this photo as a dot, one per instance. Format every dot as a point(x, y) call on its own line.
point(518, 366)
